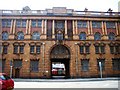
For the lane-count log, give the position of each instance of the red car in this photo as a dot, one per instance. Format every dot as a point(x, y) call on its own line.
point(6, 83)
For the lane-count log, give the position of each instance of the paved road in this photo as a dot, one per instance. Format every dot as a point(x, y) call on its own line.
point(53, 84)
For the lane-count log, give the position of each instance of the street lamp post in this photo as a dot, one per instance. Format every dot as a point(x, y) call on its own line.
point(11, 66)
point(100, 66)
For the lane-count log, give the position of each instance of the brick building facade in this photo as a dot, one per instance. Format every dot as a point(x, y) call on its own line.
point(32, 40)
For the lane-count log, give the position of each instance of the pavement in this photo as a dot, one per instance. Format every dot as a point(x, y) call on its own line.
point(66, 80)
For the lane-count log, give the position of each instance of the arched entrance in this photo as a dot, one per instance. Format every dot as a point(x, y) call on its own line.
point(60, 61)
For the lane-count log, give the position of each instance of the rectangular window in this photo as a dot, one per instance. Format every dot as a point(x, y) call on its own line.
point(112, 49)
point(96, 49)
point(15, 49)
point(32, 49)
point(110, 24)
point(23, 23)
point(18, 23)
point(34, 23)
point(96, 24)
point(116, 64)
point(102, 49)
point(82, 24)
point(39, 23)
point(37, 49)
point(85, 65)
point(102, 64)
point(34, 65)
point(3, 64)
point(5, 48)
point(17, 63)
point(21, 49)
point(81, 49)
point(87, 49)
point(6, 23)
point(59, 36)
point(117, 49)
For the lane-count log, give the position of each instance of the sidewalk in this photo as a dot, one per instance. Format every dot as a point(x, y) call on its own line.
point(66, 80)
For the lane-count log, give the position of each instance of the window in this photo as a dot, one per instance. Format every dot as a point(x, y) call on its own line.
point(116, 64)
point(20, 36)
point(38, 49)
point(21, 23)
point(81, 49)
point(97, 36)
point(34, 65)
point(21, 49)
point(3, 64)
point(17, 63)
point(111, 36)
point(59, 36)
point(100, 48)
point(59, 25)
point(5, 49)
point(6, 23)
point(102, 64)
point(36, 36)
point(87, 49)
point(32, 49)
point(15, 49)
point(85, 65)
point(34, 23)
point(114, 48)
point(82, 24)
point(96, 24)
point(4, 36)
point(110, 25)
point(39, 23)
point(82, 36)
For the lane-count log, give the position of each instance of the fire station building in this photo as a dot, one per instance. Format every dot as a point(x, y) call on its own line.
point(85, 42)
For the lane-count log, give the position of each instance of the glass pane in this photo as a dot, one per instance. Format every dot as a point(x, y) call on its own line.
point(4, 36)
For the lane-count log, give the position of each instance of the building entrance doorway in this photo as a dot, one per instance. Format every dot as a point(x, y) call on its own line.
point(60, 62)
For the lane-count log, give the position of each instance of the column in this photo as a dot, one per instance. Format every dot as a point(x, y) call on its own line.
point(88, 24)
point(45, 27)
point(116, 26)
point(27, 26)
point(14, 26)
point(42, 26)
point(30, 26)
point(103, 28)
point(73, 27)
point(76, 27)
point(53, 29)
point(66, 36)
point(91, 27)
point(12, 23)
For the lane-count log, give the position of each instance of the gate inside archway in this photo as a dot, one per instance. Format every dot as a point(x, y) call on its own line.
point(60, 62)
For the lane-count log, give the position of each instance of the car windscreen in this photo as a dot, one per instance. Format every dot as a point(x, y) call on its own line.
point(4, 77)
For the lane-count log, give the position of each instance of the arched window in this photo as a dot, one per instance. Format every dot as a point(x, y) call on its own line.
point(97, 36)
point(36, 36)
point(4, 36)
point(82, 36)
point(111, 36)
point(20, 36)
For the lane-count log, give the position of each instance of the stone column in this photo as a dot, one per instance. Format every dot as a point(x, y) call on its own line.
point(66, 36)
point(42, 26)
point(73, 27)
point(116, 26)
point(103, 28)
point(12, 23)
point(27, 26)
point(88, 25)
point(45, 27)
point(91, 30)
point(30, 26)
point(76, 27)
point(53, 29)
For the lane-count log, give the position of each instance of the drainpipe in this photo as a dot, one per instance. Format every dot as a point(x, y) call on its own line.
point(76, 59)
point(43, 57)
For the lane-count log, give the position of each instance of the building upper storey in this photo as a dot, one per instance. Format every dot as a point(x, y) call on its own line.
point(62, 11)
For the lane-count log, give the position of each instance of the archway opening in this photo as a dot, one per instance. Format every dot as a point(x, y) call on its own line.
point(60, 62)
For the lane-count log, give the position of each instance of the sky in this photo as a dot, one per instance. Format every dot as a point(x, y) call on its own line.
point(80, 5)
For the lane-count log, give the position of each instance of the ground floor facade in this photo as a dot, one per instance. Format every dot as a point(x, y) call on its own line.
point(80, 58)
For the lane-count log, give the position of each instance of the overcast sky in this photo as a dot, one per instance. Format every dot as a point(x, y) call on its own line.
point(91, 5)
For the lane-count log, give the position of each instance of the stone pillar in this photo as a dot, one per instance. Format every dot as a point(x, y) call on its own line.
point(27, 26)
point(117, 30)
point(45, 27)
point(91, 30)
point(116, 26)
point(76, 27)
point(42, 26)
point(53, 29)
point(88, 25)
point(30, 26)
point(66, 36)
point(12, 23)
point(73, 23)
point(105, 28)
